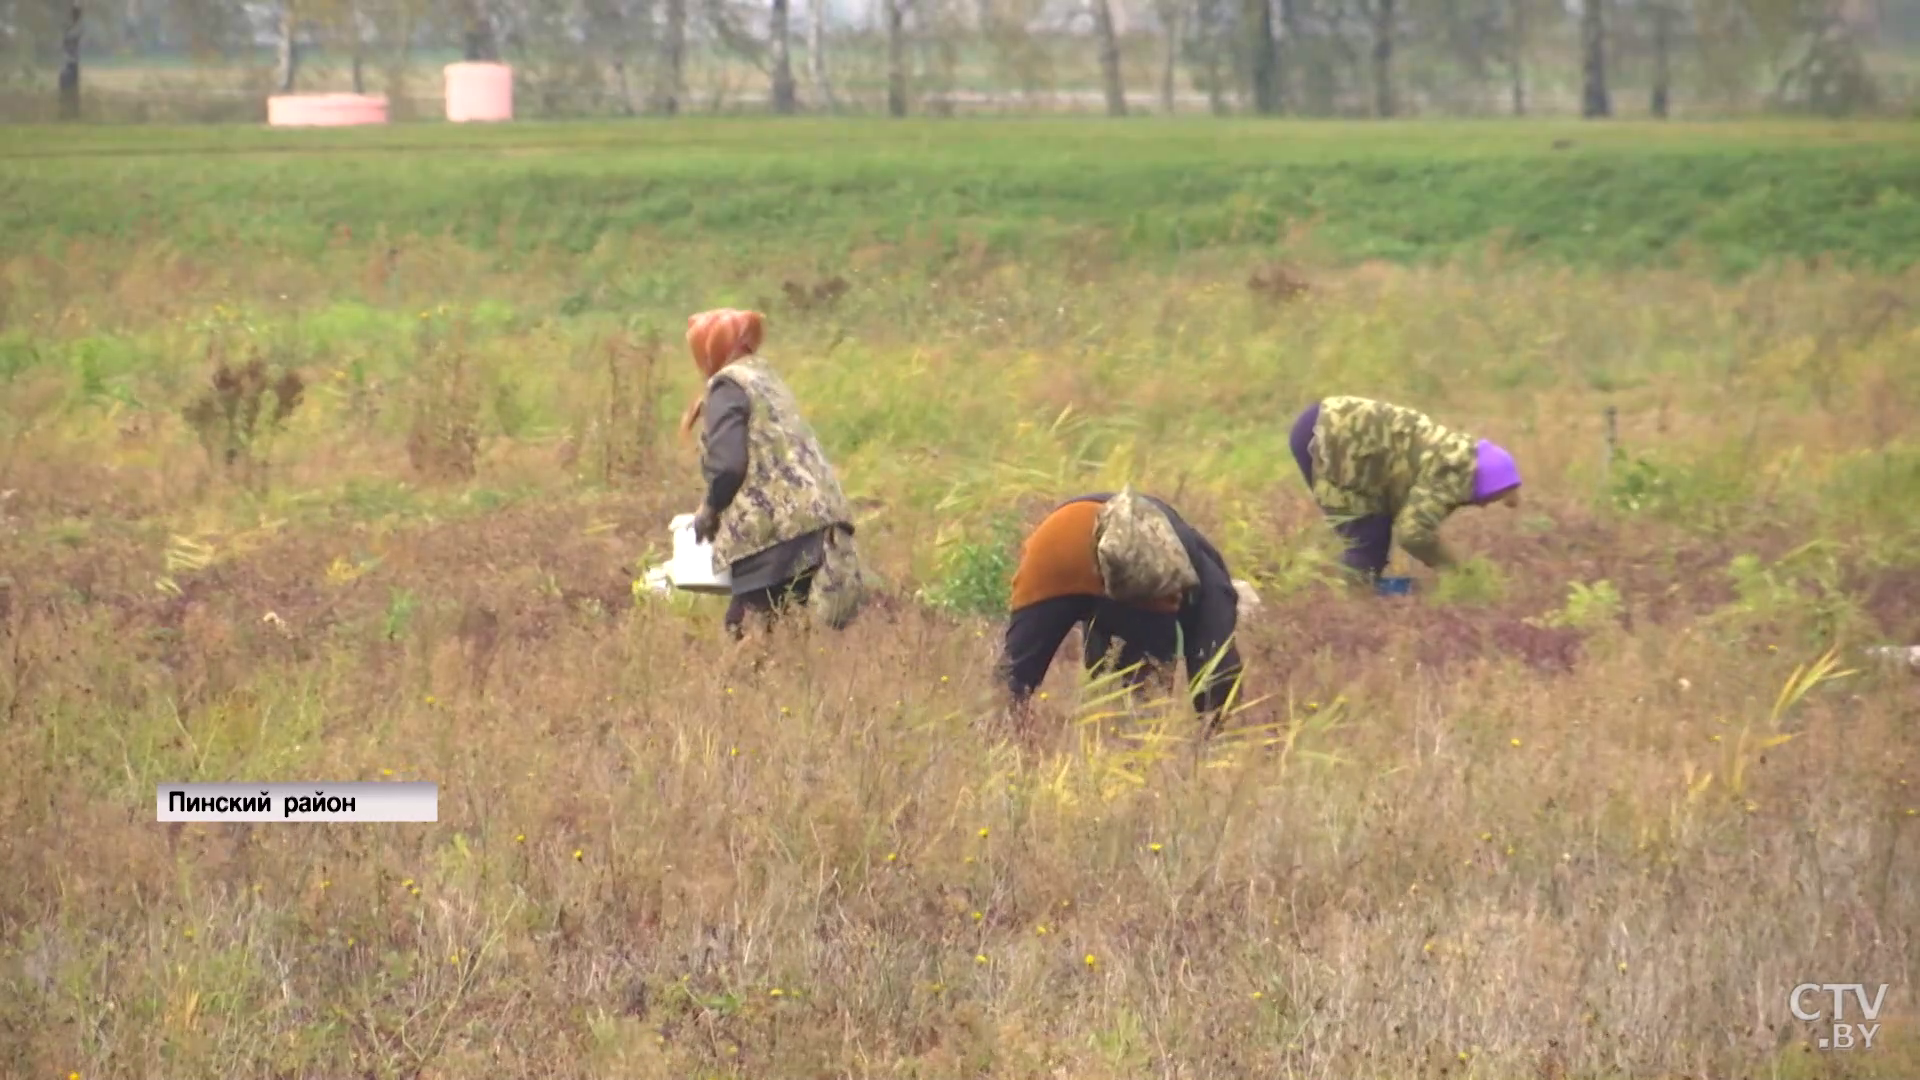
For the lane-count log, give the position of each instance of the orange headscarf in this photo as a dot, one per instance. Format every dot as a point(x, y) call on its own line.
point(718, 338)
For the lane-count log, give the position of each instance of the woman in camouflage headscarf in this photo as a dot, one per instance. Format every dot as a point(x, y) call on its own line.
point(774, 511)
point(1123, 566)
point(1384, 472)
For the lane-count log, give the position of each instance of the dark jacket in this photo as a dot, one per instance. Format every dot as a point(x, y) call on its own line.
point(1205, 622)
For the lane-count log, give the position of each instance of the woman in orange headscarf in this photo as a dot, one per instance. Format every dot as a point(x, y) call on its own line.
point(774, 510)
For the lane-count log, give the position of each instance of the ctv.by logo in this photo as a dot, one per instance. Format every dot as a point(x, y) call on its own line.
point(1843, 1034)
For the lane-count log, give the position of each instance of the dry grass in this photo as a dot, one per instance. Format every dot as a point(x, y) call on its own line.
point(1495, 832)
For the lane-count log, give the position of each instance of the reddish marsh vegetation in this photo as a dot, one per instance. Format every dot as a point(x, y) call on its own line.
point(1554, 817)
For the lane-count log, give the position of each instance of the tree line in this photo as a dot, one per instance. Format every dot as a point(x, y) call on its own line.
point(1381, 58)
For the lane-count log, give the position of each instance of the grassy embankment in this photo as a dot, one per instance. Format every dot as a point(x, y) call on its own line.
point(1542, 818)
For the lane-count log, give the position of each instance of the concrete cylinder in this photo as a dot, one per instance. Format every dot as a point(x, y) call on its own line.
point(479, 92)
point(326, 110)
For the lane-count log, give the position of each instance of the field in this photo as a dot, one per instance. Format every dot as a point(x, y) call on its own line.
point(1587, 808)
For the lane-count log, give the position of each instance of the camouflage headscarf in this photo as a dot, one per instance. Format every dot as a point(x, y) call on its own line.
point(1139, 555)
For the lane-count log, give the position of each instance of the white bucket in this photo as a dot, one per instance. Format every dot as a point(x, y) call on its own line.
point(691, 569)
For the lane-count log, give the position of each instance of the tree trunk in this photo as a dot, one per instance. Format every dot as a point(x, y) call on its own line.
point(1263, 59)
point(1110, 77)
point(673, 54)
point(1216, 81)
point(777, 28)
point(1383, 58)
point(1170, 60)
point(357, 57)
point(480, 44)
point(70, 66)
point(1662, 68)
point(1594, 102)
point(1287, 53)
point(626, 88)
point(817, 53)
point(1516, 57)
point(289, 58)
point(138, 26)
point(896, 58)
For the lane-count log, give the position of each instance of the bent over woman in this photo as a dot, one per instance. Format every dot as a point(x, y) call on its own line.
point(1123, 566)
point(773, 511)
point(1383, 472)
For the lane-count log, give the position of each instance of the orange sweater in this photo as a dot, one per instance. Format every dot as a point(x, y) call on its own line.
point(1057, 560)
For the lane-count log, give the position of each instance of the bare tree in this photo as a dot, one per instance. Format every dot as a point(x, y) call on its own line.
point(817, 53)
point(1209, 32)
point(289, 50)
point(1380, 16)
point(341, 21)
point(1263, 56)
point(1662, 67)
point(395, 25)
point(1334, 53)
point(1286, 49)
point(1814, 56)
point(1517, 55)
point(673, 55)
point(70, 65)
point(481, 41)
point(781, 90)
point(1594, 102)
point(1109, 57)
point(618, 28)
point(896, 17)
point(1020, 60)
point(1169, 13)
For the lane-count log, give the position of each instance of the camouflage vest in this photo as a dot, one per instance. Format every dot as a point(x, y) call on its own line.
point(790, 489)
point(1378, 453)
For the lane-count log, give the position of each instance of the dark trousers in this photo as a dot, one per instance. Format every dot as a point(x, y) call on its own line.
point(768, 603)
point(1153, 641)
point(1202, 629)
point(1147, 638)
point(1369, 539)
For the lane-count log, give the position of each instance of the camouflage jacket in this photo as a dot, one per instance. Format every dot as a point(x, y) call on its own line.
point(1370, 457)
point(790, 490)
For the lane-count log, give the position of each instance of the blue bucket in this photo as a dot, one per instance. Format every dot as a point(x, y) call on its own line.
point(1394, 586)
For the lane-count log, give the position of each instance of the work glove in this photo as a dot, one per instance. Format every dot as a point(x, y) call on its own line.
point(706, 524)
